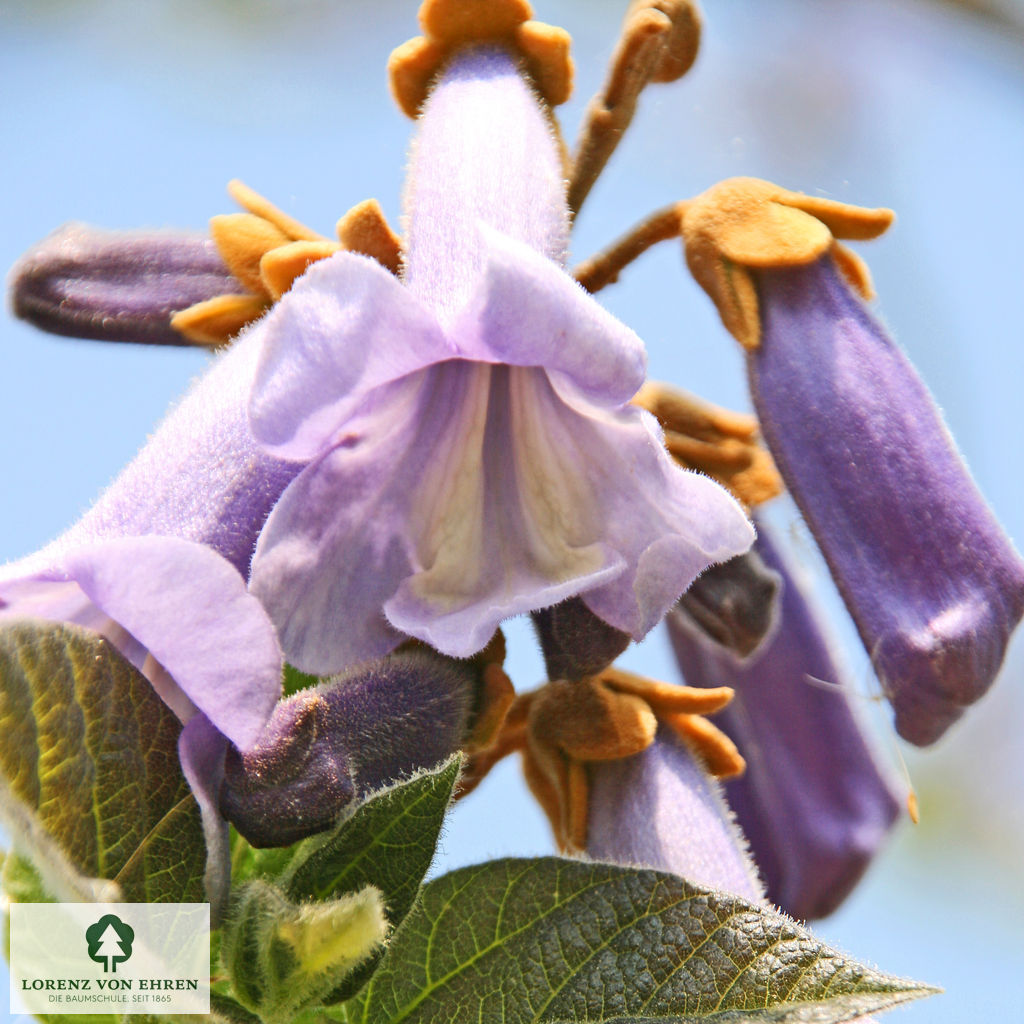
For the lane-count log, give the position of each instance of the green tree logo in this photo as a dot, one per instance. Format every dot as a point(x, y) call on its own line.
point(110, 942)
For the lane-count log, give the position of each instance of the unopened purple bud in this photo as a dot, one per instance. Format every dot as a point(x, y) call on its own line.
point(294, 782)
point(409, 711)
point(328, 746)
point(85, 282)
point(574, 641)
point(932, 582)
point(813, 802)
point(734, 603)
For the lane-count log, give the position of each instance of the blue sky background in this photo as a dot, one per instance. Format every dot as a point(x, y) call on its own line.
point(129, 115)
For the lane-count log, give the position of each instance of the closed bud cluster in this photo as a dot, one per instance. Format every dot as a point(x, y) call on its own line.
point(283, 957)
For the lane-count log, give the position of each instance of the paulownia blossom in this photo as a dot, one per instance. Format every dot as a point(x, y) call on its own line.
point(471, 453)
point(159, 564)
point(458, 448)
point(814, 803)
point(932, 582)
point(592, 722)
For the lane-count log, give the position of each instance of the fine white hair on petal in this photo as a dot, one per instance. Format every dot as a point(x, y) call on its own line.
point(485, 154)
point(660, 809)
point(474, 457)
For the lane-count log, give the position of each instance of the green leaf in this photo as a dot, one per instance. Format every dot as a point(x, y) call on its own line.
point(554, 940)
point(224, 1010)
point(294, 680)
point(20, 881)
point(388, 842)
point(90, 784)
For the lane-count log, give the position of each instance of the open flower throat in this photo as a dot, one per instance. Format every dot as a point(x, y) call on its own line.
point(495, 388)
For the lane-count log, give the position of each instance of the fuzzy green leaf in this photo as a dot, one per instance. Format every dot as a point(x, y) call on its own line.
point(224, 1010)
point(388, 842)
point(90, 784)
point(20, 881)
point(553, 941)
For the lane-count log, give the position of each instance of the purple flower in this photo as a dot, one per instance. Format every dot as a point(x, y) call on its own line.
point(660, 809)
point(813, 802)
point(159, 564)
point(930, 579)
point(932, 582)
point(472, 453)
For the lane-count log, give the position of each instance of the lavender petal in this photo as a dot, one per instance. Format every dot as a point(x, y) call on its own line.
point(201, 750)
point(178, 611)
point(660, 809)
point(158, 564)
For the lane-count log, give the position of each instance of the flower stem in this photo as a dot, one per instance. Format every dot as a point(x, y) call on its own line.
point(604, 268)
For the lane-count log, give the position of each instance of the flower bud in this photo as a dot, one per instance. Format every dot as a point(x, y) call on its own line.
point(932, 582)
point(84, 282)
point(328, 746)
point(734, 603)
point(284, 957)
point(813, 803)
point(574, 641)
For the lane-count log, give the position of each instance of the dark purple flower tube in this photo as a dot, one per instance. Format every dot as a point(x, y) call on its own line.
point(813, 803)
point(734, 603)
point(574, 641)
point(932, 582)
point(84, 282)
point(326, 747)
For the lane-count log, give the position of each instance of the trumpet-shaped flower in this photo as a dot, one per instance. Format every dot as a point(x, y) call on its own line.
point(472, 453)
point(158, 565)
point(813, 802)
point(933, 584)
